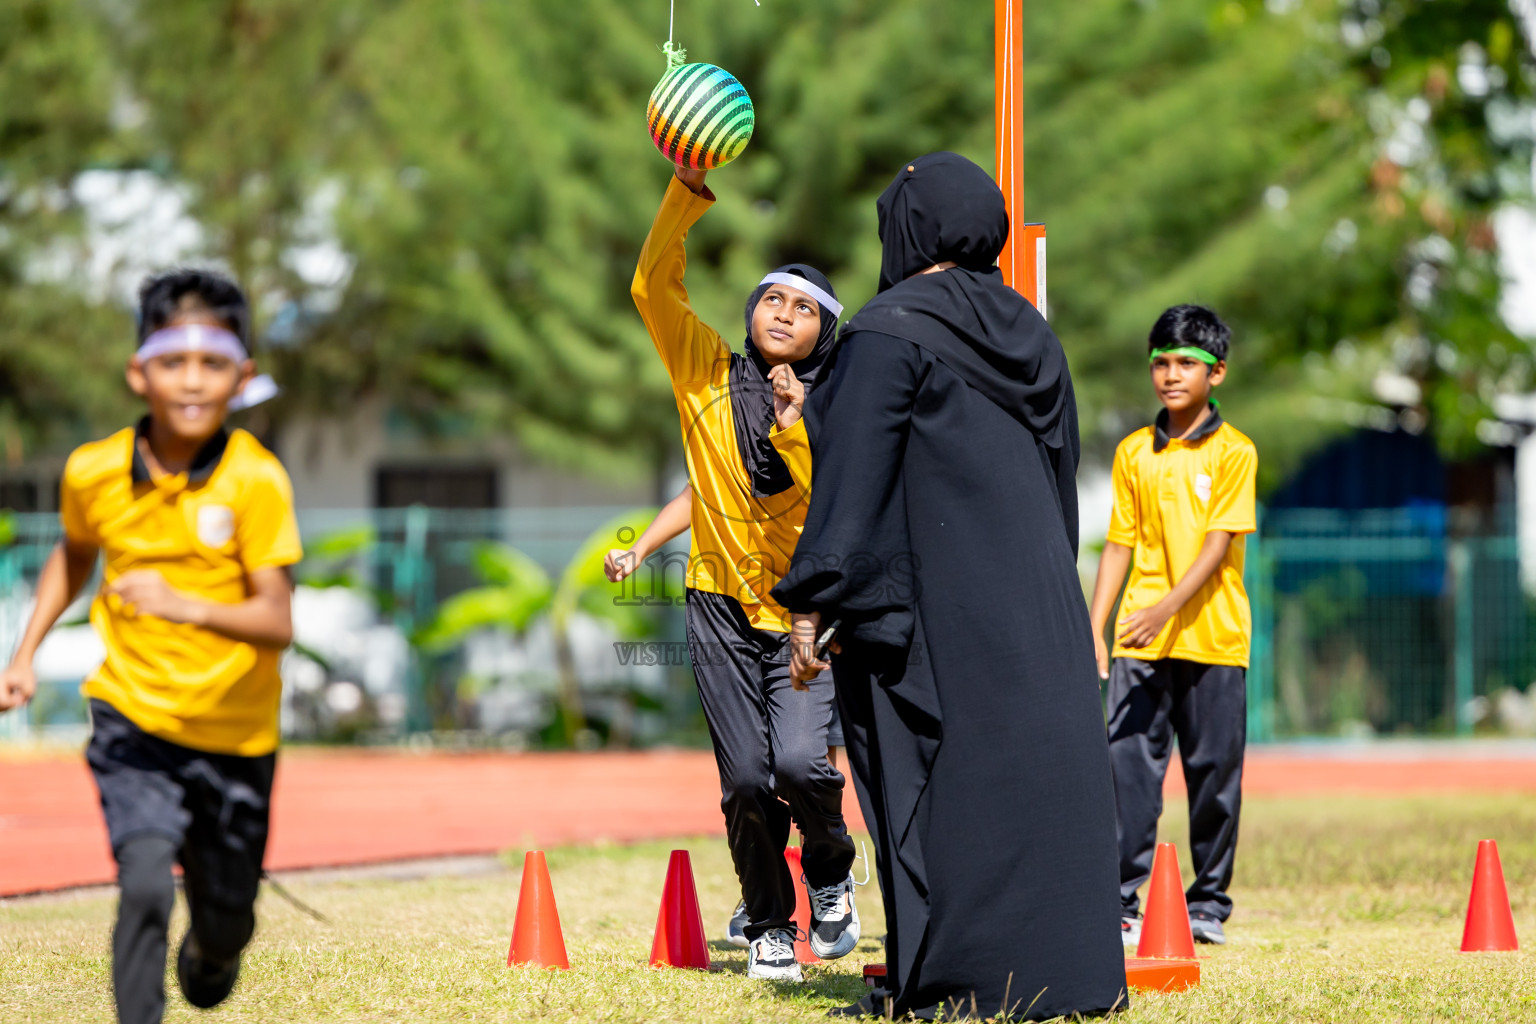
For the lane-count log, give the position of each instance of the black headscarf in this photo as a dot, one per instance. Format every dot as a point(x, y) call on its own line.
point(752, 394)
point(943, 208)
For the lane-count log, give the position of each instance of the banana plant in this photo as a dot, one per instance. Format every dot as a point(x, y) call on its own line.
point(516, 592)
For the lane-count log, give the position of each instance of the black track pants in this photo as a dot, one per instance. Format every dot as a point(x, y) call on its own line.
point(166, 803)
point(771, 749)
point(1206, 707)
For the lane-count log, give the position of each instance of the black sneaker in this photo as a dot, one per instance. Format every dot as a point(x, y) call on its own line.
point(834, 919)
point(205, 984)
point(1207, 929)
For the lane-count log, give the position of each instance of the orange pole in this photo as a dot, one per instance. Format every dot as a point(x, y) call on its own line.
point(1010, 142)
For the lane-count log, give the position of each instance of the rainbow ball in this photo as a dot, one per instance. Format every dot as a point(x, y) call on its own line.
point(700, 116)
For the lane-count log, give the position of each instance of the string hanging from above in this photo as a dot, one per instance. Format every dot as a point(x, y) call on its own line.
point(699, 115)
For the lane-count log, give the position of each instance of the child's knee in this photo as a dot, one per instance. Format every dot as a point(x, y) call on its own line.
point(801, 771)
point(144, 876)
point(747, 786)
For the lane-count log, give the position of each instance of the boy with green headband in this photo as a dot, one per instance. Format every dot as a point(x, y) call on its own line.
point(1184, 499)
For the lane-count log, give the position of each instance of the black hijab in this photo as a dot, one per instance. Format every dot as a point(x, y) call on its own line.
point(943, 208)
point(752, 394)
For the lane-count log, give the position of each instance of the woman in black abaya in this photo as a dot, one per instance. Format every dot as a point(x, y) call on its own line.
point(942, 533)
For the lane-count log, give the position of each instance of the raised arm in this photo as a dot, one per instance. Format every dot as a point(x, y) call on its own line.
point(688, 347)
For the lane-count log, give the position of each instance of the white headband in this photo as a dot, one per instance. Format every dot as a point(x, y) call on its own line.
point(207, 338)
point(828, 303)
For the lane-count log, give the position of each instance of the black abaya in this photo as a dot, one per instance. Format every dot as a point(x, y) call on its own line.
point(941, 531)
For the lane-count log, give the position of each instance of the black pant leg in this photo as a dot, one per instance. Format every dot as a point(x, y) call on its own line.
point(1140, 741)
point(146, 894)
point(727, 663)
point(1210, 717)
point(803, 779)
point(229, 798)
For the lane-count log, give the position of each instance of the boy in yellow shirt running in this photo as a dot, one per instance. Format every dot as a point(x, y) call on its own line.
point(197, 530)
point(1184, 500)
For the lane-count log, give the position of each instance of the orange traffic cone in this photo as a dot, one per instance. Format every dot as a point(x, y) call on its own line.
point(679, 938)
point(536, 937)
point(802, 918)
point(1490, 925)
point(1165, 928)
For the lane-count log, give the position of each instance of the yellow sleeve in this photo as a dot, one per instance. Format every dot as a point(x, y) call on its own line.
point(689, 348)
point(794, 447)
point(72, 503)
point(1122, 518)
point(265, 526)
point(1233, 492)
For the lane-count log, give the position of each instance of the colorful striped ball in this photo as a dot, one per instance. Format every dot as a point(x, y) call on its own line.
point(700, 116)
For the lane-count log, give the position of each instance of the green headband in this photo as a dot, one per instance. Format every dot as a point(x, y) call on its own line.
point(1188, 350)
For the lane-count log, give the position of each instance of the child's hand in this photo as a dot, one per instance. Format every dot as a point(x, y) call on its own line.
point(1140, 628)
point(619, 563)
point(1101, 655)
point(17, 685)
point(145, 592)
point(692, 177)
point(788, 395)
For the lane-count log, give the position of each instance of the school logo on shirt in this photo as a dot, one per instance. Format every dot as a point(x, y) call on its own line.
point(1203, 486)
point(215, 525)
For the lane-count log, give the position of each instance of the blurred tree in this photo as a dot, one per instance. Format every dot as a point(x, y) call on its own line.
point(56, 102)
point(1321, 174)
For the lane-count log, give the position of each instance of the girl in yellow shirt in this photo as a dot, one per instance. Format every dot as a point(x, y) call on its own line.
point(748, 459)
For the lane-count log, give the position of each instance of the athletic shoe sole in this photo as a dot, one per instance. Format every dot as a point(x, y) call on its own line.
point(762, 973)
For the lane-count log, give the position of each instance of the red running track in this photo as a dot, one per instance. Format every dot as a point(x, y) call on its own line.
point(356, 807)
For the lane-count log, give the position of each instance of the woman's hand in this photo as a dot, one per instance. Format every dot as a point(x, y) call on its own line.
point(788, 395)
point(803, 665)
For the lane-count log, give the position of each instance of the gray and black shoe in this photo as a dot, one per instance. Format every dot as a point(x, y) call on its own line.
point(834, 919)
point(1207, 929)
point(205, 984)
point(772, 955)
point(736, 927)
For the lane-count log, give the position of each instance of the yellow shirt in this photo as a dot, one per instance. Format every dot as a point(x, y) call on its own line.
point(741, 544)
point(205, 531)
point(1169, 493)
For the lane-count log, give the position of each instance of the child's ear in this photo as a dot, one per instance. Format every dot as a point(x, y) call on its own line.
point(1218, 372)
point(247, 373)
point(135, 375)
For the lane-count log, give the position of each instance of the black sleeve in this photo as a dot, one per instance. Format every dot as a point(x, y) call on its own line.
point(854, 561)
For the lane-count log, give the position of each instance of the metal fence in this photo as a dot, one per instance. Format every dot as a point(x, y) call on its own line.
point(1377, 623)
point(1387, 622)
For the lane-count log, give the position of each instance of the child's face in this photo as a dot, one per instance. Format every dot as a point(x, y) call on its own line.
point(785, 325)
point(1184, 382)
point(189, 392)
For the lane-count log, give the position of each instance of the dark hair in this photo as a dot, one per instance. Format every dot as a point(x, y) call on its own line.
point(1190, 326)
point(164, 296)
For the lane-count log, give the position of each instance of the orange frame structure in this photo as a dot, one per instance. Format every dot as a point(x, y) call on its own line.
point(1023, 258)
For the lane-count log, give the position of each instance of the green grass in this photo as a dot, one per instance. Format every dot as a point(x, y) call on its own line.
point(1347, 910)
